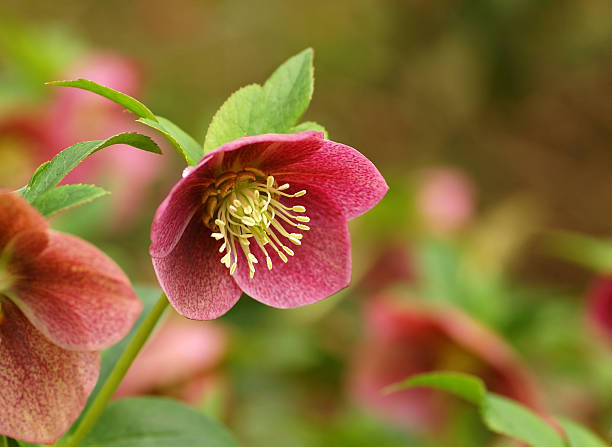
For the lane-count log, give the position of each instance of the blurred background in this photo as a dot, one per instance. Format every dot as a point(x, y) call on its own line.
point(491, 253)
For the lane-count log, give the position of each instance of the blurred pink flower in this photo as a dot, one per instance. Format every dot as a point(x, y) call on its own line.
point(74, 115)
point(393, 264)
point(245, 199)
point(179, 361)
point(600, 306)
point(446, 199)
point(411, 338)
point(61, 301)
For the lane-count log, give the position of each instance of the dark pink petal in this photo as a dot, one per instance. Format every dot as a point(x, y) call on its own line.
point(75, 295)
point(43, 388)
point(350, 180)
point(16, 215)
point(267, 151)
point(321, 265)
point(600, 306)
point(197, 285)
point(175, 213)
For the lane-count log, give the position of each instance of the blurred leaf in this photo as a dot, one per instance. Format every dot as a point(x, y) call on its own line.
point(579, 436)
point(507, 417)
point(588, 251)
point(110, 356)
point(151, 421)
point(309, 125)
point(189, 148)
point(63, 197)
point(466, 386)
point(500, 415)
point(52, 172)
point(274, 107)
point(120, 98)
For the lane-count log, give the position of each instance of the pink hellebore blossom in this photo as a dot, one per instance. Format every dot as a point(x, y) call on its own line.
point(61, 301)
point(410, 338)
point(228, 226)
point(600, 306)
point(446, 199)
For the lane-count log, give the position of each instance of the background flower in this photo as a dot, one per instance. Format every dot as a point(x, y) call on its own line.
point(404, 338)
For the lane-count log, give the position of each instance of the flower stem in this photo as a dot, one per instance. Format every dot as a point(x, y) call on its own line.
point(110, 386)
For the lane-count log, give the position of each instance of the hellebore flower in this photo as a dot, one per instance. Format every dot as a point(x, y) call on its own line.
point(266, 215)
point(600, 306)
point(61, 301)
point(180, 361)
point(446, 200)
point(409, 338)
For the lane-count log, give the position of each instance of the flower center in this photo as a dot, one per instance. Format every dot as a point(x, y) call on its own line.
point(244, 207)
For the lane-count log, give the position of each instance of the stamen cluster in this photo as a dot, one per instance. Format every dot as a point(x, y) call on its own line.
point(241, 207)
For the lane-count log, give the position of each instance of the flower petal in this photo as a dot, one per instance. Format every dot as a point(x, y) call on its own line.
point(197, 285)
point(43, 388)
point(350, 180)
point(321, 265)
point(267, 151)
point(75, 295)
point(17, 215)
point(175, 213)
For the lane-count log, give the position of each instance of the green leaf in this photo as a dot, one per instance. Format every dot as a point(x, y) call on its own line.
point(233, 119)
point(274, 108)
point(507, 417)
point(60, 198)
point(309, 125)
point(120, 98)
point(500, 415)
point(286, 94)
point(580, 436)
point(52, 172)
point(465, 386)
point(189, 148)
point(156, 422)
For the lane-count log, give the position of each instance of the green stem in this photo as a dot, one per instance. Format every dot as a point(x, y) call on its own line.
point(110, 386)
point(3, 441)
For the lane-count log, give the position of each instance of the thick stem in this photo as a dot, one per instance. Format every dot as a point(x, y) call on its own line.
point(110, 386)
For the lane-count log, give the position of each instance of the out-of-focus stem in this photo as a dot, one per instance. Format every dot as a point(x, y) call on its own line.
point(110, 386)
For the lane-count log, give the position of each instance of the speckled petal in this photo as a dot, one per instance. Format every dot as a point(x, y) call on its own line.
point(75, 295)
point(351, 180)
point(198, 286)
point(17, 215)
point(321, 265)
point(43, 388)
point(175, 212)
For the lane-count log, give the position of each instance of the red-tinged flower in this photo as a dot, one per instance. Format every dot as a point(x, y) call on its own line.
point(446, 200)
point(180, 361)
point(61, 301)
point(266, 215)
point(600, 306)
point(412, 338)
